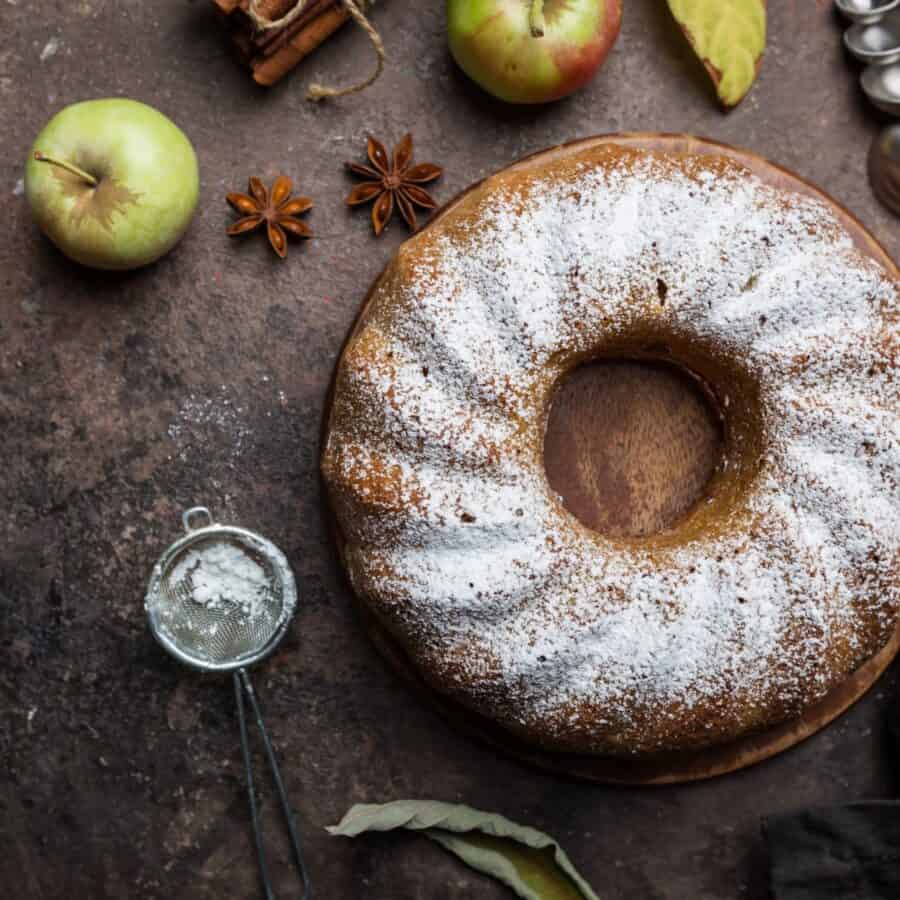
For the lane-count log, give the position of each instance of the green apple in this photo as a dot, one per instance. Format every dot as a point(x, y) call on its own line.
point(531, 51)
point(113, 183)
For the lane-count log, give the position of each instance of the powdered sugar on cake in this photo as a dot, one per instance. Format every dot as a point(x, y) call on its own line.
point(457, 542)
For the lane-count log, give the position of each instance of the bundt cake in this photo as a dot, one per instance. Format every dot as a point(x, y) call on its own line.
point(766, 594)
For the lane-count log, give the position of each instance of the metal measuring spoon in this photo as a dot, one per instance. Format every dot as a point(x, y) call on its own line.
point(866, 11)
point(881, 84)
point(219, 600)
point(877, 43)
point(884, 167)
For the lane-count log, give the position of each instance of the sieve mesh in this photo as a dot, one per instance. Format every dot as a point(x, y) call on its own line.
point(219, 600)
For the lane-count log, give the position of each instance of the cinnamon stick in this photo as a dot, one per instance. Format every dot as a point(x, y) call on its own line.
point(277, 39)
point(276, 66)
point(270, 55)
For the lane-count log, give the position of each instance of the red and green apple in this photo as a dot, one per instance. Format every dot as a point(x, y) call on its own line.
point(531, 51)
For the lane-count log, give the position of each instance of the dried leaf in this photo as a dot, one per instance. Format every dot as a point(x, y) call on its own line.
point(528, 861)
point(729, 36)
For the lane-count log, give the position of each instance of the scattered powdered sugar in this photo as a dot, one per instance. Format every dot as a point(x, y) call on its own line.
point(456, 539)
point(51, 48)
point(222, 422)
point(206, 420)
point(222, 576)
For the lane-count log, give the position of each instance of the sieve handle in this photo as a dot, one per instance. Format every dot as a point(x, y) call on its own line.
point(242, 687)
point(196, 512)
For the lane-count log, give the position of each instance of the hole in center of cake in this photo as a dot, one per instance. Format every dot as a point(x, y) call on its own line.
point(631, 446)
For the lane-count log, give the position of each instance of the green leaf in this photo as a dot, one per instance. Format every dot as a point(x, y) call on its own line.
point(729, 36)
point(527, 860)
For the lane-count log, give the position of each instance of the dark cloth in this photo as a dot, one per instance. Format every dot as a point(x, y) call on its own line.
point(849, 852)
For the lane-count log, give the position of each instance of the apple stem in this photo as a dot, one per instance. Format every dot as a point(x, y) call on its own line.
point(536, 18)
point(84, 176)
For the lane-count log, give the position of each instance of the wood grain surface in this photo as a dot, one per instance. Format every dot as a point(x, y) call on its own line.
point(630, 445)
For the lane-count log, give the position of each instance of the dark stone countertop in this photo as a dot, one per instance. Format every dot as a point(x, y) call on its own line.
point(124, 399)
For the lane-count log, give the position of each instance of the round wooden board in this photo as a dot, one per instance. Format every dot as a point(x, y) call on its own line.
point(635, 514)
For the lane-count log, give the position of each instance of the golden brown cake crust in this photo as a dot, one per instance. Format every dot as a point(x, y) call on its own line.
point(754, 605)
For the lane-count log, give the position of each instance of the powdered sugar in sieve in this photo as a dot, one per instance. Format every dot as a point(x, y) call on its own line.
point(221, 597)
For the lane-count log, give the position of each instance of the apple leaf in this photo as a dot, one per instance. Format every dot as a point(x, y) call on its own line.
point(99, 203)
point(729, 36)
point(528, 861)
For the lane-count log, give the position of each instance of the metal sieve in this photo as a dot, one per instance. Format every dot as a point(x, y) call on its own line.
point(220, 599)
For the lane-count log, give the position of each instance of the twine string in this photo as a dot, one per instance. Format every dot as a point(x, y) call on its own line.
point(318, 91)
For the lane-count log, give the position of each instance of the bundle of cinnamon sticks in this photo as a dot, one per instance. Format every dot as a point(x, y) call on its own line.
point(270, 55)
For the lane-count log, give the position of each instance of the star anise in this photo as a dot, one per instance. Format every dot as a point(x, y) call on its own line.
point(277, 210)
point(393, 180)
